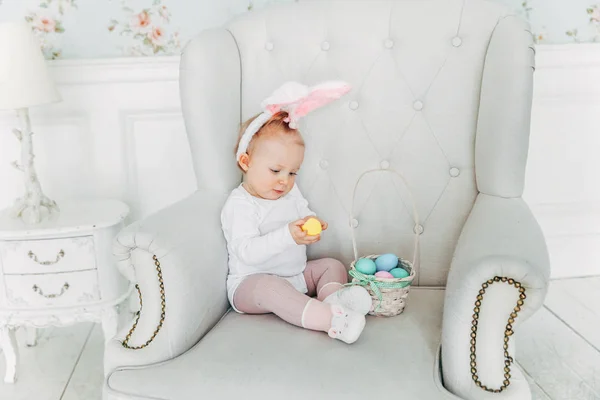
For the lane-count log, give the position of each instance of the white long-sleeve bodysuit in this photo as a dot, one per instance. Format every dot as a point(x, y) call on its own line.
point(259, 239)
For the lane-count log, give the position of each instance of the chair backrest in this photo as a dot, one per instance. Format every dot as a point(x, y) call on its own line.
point(418, 69)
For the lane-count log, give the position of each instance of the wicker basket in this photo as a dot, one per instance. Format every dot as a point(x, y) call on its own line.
point(389, 294)
point(393, 292)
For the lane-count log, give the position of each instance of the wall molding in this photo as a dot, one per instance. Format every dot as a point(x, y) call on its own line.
point(115, 70)
point(567, 56)
point(166, 68)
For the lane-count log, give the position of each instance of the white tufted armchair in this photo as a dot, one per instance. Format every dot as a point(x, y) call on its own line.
point(442, 93)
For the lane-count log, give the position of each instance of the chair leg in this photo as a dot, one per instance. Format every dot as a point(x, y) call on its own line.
point(8, 343)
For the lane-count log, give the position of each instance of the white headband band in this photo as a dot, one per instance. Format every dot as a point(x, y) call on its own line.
point(297, 100)
point(250, 131)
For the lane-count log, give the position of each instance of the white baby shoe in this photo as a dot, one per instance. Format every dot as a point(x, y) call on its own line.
point(346, 325)
point(355, 298)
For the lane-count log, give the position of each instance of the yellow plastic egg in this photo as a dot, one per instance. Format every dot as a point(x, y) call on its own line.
point(312, 227)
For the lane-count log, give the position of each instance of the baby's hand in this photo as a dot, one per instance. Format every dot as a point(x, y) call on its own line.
point(324, 224)
point(300, 237)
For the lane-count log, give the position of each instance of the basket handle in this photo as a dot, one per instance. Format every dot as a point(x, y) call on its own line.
point(415, 213)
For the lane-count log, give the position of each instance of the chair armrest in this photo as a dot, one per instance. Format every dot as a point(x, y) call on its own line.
point(501, 238)
point(178, 259)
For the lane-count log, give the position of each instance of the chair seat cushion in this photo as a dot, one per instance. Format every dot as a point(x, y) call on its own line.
point(262, 357)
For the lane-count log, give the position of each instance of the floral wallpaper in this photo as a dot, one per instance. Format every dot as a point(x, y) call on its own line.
point(111, 28)
point(150, 30)
point(47, 22)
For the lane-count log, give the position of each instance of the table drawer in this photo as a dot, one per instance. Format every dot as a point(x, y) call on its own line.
point(48, 255)
point(63, 289)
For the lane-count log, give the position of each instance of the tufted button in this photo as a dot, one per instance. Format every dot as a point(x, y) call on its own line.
point(388, 43)
point(325, 46)
point(354, 223)
point(418, 229)
point(384, 164)
point(323, 164)
point(418, 105)
point(353, 105)
point(269, 46)
point(454, 172)
point(456, 41)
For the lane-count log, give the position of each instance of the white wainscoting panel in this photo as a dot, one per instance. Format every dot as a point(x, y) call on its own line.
point(159, 160)
point(119, 133)
point(563, 173)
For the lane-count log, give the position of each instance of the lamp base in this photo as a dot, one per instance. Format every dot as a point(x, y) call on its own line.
point(34, 206)
point(33, 212)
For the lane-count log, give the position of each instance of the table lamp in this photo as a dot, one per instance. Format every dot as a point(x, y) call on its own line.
point(25, 82)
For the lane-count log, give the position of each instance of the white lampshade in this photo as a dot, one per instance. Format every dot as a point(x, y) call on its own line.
point(24, 77)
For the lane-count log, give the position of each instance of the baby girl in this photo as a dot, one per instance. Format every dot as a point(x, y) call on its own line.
point(262, 222)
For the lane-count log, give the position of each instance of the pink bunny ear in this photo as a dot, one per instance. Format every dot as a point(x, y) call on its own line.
point(298, 99)
point(285, 96)
point(320, 95)
point(295, 98)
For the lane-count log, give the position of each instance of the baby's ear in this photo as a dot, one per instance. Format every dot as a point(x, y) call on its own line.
point(244, 162)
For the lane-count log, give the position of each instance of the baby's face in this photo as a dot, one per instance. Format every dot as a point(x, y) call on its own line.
point(272, 168)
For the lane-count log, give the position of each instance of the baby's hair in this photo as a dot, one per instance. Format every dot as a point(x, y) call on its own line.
point(274, 126)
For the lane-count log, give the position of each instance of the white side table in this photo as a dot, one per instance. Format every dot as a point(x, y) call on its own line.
point(60, 272)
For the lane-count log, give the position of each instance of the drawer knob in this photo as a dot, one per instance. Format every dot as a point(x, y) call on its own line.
point(60, 255)
point(39, 291)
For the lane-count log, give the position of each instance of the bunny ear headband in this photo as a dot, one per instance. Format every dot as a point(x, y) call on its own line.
point(298, 100)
